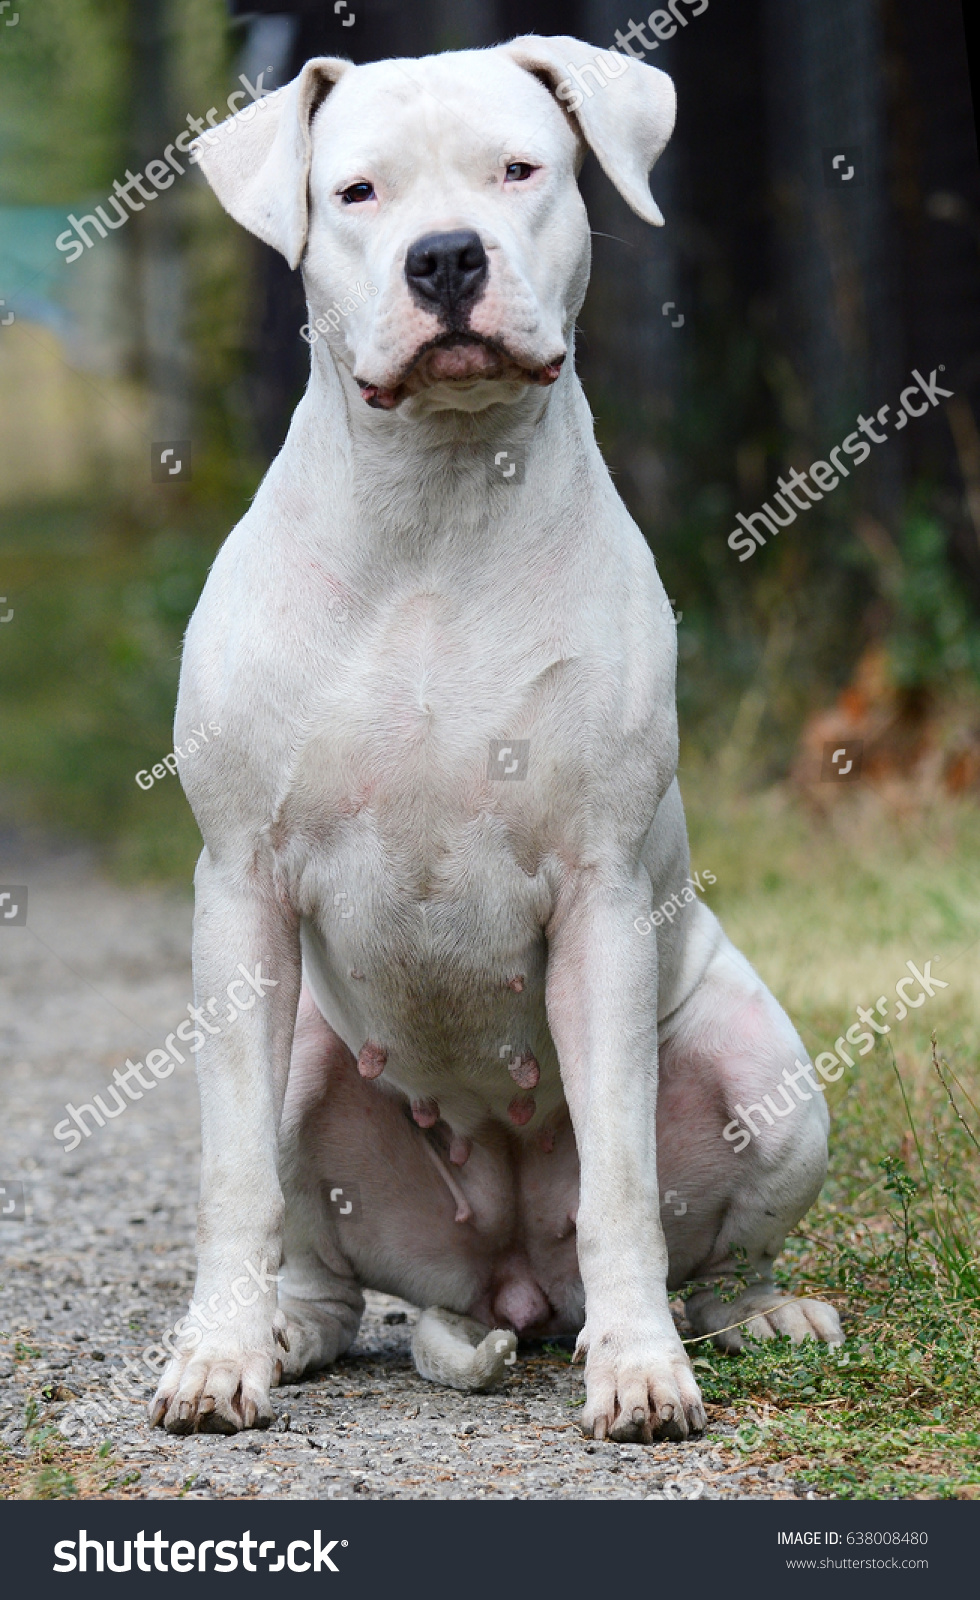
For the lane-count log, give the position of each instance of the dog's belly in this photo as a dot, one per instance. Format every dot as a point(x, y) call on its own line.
point(495, 1236)
point(445, 987)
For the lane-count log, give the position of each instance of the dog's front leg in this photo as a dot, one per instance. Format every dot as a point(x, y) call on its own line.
point(602, 1011)
point(246, 981)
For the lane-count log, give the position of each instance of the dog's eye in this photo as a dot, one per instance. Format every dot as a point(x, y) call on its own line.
point(357, 193)
point(518, 171)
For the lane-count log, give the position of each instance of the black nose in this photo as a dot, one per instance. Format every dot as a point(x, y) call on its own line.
point(447, 270)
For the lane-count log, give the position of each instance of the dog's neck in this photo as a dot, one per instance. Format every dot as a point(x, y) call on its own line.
point(395, 474)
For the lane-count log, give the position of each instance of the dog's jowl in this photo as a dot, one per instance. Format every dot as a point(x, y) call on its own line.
point(468, 1045)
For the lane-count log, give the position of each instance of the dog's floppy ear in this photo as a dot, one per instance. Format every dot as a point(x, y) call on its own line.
point(258, 161)
point(624, 109)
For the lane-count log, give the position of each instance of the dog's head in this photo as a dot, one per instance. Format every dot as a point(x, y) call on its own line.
point(434, 206)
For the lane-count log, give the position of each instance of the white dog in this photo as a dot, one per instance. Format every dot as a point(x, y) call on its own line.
point(444, 798)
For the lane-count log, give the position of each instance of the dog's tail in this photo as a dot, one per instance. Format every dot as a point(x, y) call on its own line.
point(461, 1353)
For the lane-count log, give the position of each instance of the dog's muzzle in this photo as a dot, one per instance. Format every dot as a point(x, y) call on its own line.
point(447, 272)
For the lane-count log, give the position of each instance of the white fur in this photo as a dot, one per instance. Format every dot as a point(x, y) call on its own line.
point(383, 611)
point(460, 1353)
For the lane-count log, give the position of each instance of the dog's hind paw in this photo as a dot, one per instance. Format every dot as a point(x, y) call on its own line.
point(461, 1353)
point(762, 1313)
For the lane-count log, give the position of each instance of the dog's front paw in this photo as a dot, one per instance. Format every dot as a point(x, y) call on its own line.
point(639, 1387)
point(218, 1388)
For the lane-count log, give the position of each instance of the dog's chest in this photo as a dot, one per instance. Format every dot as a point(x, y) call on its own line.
point(432, 749)
point(415, 838)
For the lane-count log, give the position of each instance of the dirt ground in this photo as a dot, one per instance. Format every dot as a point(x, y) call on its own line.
point(102, 1263)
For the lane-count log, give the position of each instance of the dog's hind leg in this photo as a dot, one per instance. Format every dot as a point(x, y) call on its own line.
point(322, 1312)
point(742, 1126)
point(461, 1353)
point(319, 1293)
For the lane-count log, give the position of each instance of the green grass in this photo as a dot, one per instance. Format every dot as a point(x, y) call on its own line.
point(829, 912)
point(53, 1469)
point(895, 1413)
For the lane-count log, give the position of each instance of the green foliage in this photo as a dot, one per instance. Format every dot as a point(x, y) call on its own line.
point(62, 105)
point(90, 666)
point(934, 635)
point(896, 1411)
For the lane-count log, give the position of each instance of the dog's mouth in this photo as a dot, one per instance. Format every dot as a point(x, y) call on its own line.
point(461, 359)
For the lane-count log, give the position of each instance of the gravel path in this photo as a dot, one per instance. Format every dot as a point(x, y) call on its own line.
point(103, 1261)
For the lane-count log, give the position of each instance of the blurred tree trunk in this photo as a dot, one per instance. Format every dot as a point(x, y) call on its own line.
point(835, 273)
point(631, 350)
point(936, 196)
point(162, 358)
